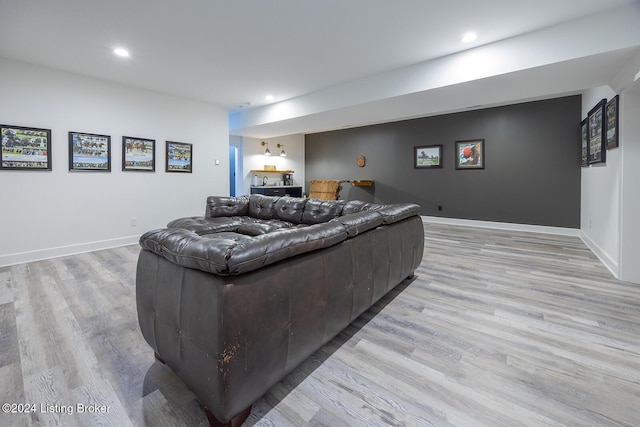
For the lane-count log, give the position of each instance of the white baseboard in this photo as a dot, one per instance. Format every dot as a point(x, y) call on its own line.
point(503, 226)
point(41, 254)
point(608, 262)
point(597, 251)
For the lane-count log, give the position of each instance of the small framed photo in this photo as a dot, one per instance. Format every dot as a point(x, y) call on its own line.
point(584, 144)
point(89, 152)
point(179, 157)
point(138, 154)
point(596, 132)
point(611, 112)
point(427, 156)
point(470, 154)
point(25, 148)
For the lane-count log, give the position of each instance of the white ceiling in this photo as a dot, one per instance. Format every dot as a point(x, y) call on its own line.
point(232, 52)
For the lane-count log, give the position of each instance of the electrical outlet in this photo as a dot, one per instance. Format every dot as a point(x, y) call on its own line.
point(133, 222)
point(439, 207)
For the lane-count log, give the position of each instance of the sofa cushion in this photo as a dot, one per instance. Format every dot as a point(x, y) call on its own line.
point(259, 251)
point(317, 211)
point(256, 228)
point(353, 206)
point(290, 209)
point(262, 207)
point(200, 225)
point(227, 206)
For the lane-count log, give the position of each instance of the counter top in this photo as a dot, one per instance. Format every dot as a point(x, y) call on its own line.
point(275, 186)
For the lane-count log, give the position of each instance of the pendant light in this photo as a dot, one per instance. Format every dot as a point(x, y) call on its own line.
point(267, 152)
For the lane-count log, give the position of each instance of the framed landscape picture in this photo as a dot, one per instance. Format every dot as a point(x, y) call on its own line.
point(596, 128)
point(470, 154)
point(427, 156)
point(89, 152)
point(179, 157)
point(25, 148)
point(611, 113)
point(584, 144)
point(138, 154)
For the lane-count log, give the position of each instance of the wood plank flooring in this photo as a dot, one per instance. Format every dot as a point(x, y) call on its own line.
point(497, 329)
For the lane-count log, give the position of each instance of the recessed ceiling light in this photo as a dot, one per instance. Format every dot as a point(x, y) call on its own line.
point(121, 52)
point(469, 37)
point(269, 97)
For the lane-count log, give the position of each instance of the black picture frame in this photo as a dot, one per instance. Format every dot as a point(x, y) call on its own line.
point(25, 148)
point(596, 126)
point(89, 152)
point(427, 156)
point(138, 154)
point(611, 114)
point(179, 157)
point(584, 144)
point(470, 154)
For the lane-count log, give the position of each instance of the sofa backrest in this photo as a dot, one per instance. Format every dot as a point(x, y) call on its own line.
point(317, 211)
point(262, 207)
point(301, 210)
point(290, 209)
point(226, 206)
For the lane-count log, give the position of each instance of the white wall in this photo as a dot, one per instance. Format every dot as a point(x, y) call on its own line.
point(254, 158)
point(600, 195)
point(630, 206)
point(45, 214)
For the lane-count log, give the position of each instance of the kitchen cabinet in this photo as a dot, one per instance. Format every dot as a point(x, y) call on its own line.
point(277, 190)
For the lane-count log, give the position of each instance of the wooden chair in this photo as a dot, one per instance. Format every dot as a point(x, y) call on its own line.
point(325, 189)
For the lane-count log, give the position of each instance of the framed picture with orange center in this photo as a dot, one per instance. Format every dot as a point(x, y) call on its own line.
point(470, 154)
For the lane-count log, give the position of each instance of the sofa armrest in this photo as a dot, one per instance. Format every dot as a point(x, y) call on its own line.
point(398, 212)
point(360, 222)
point(230, 253)
point(392, 213)
point(188, 249)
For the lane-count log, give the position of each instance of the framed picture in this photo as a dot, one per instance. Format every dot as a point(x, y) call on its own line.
point(596, 128)
point(611, 113)
point(427, 156)
point(25, 148)
point(138, 154)
point(470, 154)
point(179, 157)
point(584, 144)
point(89, 152)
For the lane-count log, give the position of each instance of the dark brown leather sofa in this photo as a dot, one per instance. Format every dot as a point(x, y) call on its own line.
point(236, 299)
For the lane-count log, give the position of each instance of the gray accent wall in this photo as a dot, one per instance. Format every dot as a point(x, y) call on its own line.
point(531, 174)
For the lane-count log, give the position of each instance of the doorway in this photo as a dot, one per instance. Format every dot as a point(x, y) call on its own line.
point(233, 165)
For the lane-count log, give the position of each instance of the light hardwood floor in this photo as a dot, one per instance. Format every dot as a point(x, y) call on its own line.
point(497, 329)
